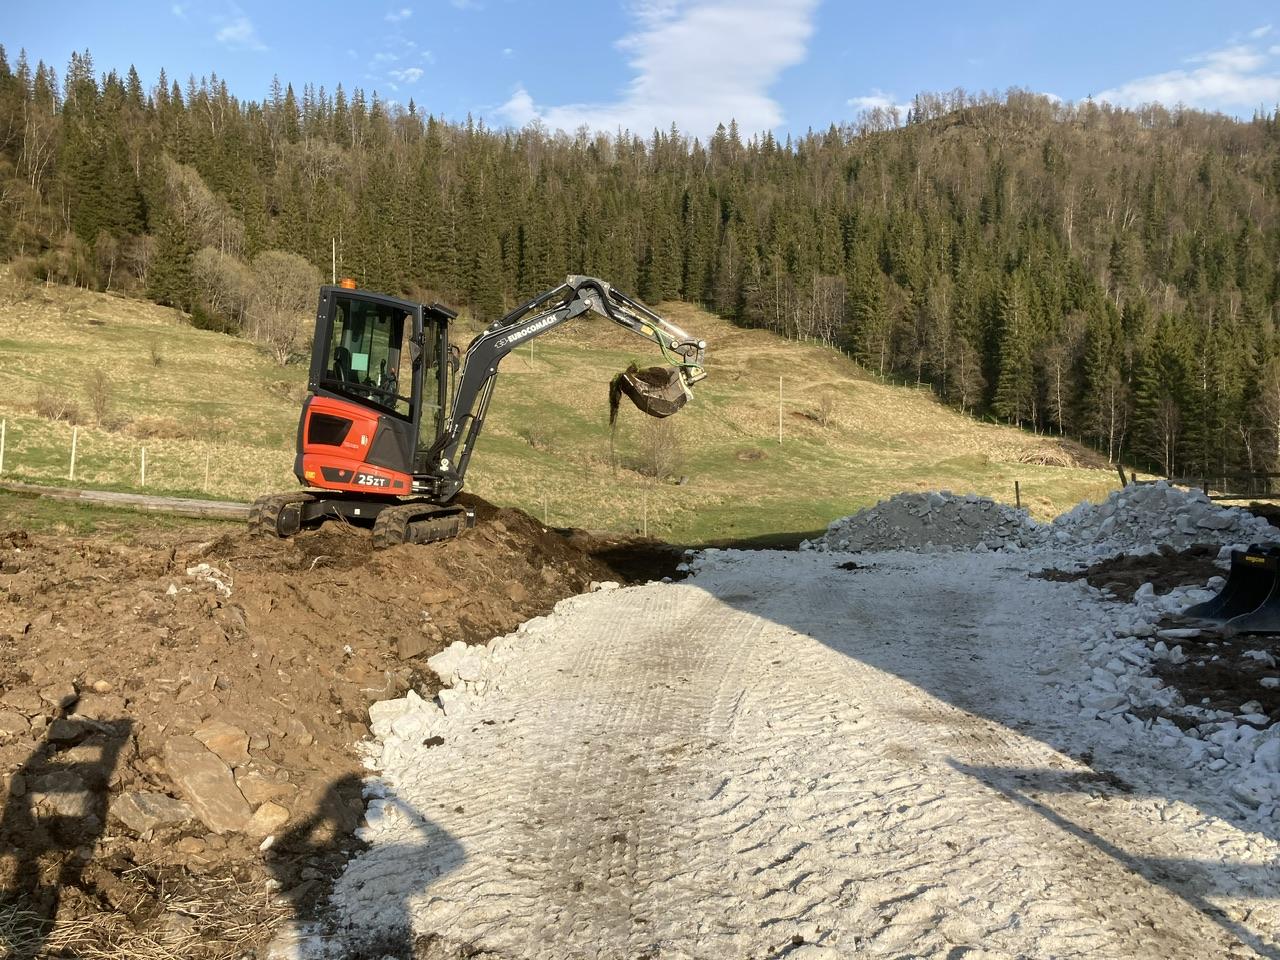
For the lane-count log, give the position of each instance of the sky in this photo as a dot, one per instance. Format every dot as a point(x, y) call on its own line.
point(781, 65)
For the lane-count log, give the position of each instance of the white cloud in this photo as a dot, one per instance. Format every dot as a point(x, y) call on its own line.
point(878, 99)
point(697, 63)
point(395, 16)
point(239, 33)
point(1234, 79)
point(1259, 32)
point(507, 51)
point(179, 10)
point(407, 75)
point(385, 57)
point(428, 56)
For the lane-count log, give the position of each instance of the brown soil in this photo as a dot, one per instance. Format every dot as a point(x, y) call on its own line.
point(1218, 675)
point(139, 652)
point(1123, 575)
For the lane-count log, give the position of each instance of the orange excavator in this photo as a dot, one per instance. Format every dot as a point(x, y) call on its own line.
point(394, 410)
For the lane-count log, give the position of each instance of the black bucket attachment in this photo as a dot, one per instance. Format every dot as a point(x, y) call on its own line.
point(1250, 600)
point(657, 391)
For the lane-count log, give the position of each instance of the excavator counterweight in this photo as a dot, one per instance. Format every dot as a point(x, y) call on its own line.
point(394, 410)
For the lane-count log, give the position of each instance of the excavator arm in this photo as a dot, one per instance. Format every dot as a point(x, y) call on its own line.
point(447, 459)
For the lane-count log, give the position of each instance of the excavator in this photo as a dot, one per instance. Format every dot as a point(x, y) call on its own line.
point(393, 409)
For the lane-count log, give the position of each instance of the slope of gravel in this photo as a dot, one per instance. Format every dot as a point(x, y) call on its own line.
point(785, 757)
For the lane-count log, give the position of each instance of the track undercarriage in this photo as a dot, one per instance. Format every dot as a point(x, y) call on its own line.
point(394, 521)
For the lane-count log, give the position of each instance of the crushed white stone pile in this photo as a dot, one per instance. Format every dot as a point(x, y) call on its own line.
point(1137, 519)
point(923, 521)
point(1140, 518)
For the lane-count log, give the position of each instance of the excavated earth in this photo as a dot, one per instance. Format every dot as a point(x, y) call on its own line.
point(177, 719)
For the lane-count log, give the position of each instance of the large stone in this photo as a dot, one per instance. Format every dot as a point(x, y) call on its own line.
point(97, 706)
point(13, 723)
point(143, 810)
point(63, 792)
point(206, 781)
point(267, 819)
point(258, 788)
point(227, 741)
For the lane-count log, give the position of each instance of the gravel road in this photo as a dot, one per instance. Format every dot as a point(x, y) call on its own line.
point(781, 757)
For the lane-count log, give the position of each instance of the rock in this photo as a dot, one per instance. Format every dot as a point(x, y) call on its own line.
point(298, 733)
point(63, 792)
point(13, 724)
point(259, 789)
point(143, 810)
point(267, 819)
point(1267, 754)
point(97, 706)
point(24, 700)
point(101, 686)
point(227, 741)
point(207, 783)
point(445, 663)
point(1178, 633)
point(409, 645)
point(66, 730)
point(189, 846)
point(60, 695)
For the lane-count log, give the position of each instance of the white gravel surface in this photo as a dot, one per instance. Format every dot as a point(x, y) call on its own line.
point(927, 756)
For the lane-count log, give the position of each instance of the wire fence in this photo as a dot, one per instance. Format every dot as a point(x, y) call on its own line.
point(60, 453)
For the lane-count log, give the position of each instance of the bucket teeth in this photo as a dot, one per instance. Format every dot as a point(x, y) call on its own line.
point(1249, 602)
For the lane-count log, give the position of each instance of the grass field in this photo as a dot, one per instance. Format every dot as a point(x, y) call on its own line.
point(197, 400)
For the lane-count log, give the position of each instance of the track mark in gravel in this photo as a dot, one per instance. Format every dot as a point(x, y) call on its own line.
point(820, 760)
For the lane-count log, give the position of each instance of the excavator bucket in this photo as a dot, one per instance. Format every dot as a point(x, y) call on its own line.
point(657, 391)
point(1249, 602)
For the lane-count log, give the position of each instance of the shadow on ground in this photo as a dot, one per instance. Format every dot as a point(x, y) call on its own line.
point(54, 815)
point(308, 860)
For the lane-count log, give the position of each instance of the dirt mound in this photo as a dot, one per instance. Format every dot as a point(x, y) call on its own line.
point(164, 709)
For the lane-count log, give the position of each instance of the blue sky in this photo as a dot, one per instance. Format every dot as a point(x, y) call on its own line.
point(784, 65)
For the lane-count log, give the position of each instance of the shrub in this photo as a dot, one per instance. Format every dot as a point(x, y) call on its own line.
point(535, 435)
point(55, 406)
point(659, 453)
point(98, 388)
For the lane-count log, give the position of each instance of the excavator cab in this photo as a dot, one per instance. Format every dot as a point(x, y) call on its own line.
point(378, 387)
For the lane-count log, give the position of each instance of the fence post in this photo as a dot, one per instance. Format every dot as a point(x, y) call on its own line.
point(1017, 494)
point(205, 488)
point(544, 510)
point(644, 523)
point(779, 409)
point(75, 435)
point(144, 466)
point(4, 429)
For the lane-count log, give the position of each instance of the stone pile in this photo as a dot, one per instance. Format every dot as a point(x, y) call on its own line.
point(928, 521)
point(1137, 519)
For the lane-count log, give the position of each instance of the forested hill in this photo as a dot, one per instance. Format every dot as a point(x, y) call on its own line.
point(1107, 273)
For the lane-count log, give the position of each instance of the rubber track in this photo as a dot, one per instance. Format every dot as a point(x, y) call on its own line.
point(264, 513)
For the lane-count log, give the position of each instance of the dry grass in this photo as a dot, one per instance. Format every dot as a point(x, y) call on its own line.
point(221, 919)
